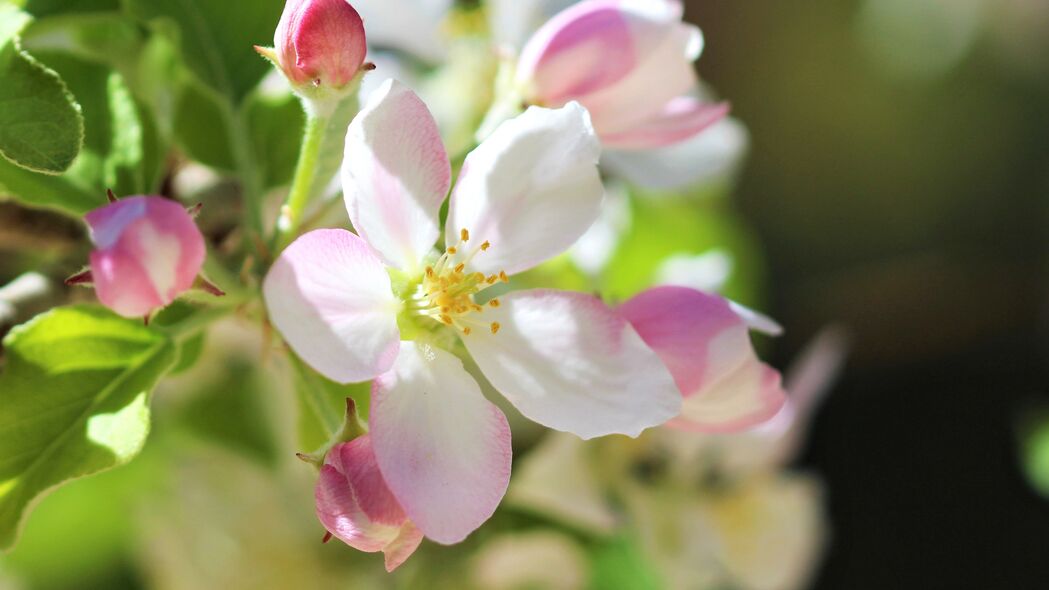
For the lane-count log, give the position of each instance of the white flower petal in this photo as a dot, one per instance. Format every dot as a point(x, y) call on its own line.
point(330, 298)
point(531, 189)
point(568, 361)
point(395, 175)
point(443, 449)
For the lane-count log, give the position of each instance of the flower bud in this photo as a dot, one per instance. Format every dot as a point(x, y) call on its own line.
point(147, 251)
point(319, 42)
point(355, 505)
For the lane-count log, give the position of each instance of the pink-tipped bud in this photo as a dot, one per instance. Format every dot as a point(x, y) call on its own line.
point(147, 252)
point(320, 42)
point(355, 505)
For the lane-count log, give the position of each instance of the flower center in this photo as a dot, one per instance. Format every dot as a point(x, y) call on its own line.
point(446, 293)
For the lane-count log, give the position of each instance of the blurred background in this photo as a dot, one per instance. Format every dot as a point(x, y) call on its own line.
point(898, 179)
point(896, 185)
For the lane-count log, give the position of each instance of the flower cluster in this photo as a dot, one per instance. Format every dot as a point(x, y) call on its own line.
point(422, 298)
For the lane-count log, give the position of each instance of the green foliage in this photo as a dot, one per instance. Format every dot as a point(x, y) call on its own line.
point(201, 127)
point(122, 150)
point(1034, 433)
point(75, 393)
point(231, 412)
point(216, 38)
point(276, 124)
point(322, 404)
point(41, 128)
point(664, 227)
point(618, 564)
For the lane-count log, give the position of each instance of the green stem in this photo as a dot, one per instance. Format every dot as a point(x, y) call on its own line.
point(302, 184)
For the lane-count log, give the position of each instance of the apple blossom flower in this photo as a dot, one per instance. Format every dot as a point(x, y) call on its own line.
point(704, 341)
point(319, 43)
point(355, 505)
point(384, 305)
point(148, 251)
point(629, 62)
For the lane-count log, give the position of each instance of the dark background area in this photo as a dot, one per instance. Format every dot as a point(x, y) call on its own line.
point(913, 208)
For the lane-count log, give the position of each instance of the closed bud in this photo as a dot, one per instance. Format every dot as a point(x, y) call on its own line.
point(319, 43)
point(147, 251)
point(355, 505)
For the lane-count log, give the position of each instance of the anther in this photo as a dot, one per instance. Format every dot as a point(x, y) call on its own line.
point(486, 245)
point(452, 250)
point(495, 327)
point(494, 303)
point(459, 267)
point(503, 277)
point(464, 235)
point(466, 331)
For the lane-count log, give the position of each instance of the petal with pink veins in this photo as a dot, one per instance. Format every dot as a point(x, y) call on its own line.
point(331, 300)
point(531, 189)
point(395, 175)
point(706, 346)
point(355, 505)
point(568, 361)
point(443, 448)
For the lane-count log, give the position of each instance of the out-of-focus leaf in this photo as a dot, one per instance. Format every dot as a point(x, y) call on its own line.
point(662, 228)
point(216, 38)
point(40, 8)
point(122, 150)
point(1035, 448)
point(75, 393)
point(41, 128)
point(189, 349)
point(82, 534)
point(619, 565)
point(201, 127)
point(276, 124)
point(230, 412)
point(322, 403)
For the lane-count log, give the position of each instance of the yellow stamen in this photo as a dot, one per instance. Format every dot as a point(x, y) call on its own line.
point(494, 303)
point(466, 331)
point(486, 245)
point(464, 235)
point(495, 327)
point(452, 250)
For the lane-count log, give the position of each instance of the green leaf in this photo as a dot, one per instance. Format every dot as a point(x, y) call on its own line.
point(665, 227)
point(41, 128)
point(322, 404)
point(216, 39)
point(619, 564)
point(202, 127)
point(1034, 440)
point(75, 393)
point(230, 411)
point(122, 150)
point(276, 124)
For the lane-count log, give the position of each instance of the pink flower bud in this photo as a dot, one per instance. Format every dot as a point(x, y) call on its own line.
point(147, 251)
point(355, 505)
point(320, 42)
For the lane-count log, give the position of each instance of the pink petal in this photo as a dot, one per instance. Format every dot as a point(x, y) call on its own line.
point(355, 505)
point(443, 448)
point(332, 301)
point(706, 346)
point(623, 60)
point(395, 175)
point(680, 119)
point(584, 48)
point(320, 40)
point(148, 251)
point(568, 361)
point(531, 189)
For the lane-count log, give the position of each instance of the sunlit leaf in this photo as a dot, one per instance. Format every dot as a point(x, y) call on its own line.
point(41, 128)
point(75, 393)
